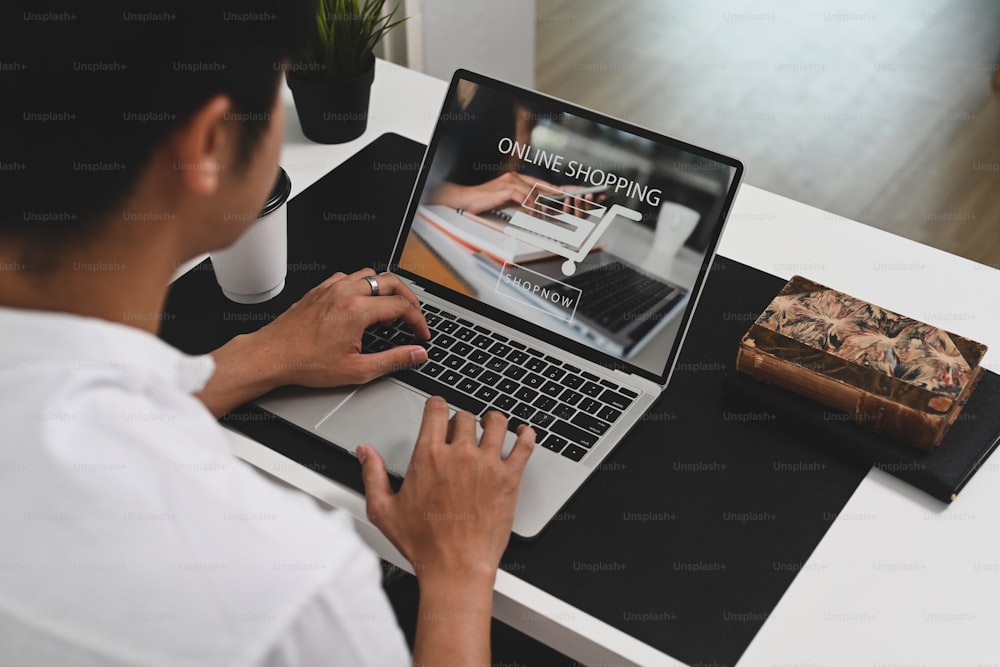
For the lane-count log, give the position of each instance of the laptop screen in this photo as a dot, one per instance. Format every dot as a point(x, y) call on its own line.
point(580, 229)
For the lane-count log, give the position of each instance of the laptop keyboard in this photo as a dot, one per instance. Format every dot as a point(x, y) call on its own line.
point(477, 370)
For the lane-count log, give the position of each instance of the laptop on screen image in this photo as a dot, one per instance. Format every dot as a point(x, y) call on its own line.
point(558, 254)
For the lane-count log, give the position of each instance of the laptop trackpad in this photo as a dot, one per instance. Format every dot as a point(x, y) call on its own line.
point(385, 415)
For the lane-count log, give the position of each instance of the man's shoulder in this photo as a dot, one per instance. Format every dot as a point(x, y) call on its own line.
point(153, 530)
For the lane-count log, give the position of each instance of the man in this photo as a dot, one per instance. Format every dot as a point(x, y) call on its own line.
point(130, 534)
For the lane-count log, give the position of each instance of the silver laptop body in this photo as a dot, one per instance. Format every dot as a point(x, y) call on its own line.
point(486, 128)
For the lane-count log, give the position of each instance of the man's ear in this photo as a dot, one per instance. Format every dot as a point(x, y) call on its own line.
point(202, 146)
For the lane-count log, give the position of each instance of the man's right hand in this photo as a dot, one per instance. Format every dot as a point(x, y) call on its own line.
point(453, 515)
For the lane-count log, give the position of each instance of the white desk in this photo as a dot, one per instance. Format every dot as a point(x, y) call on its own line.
point(899, 579)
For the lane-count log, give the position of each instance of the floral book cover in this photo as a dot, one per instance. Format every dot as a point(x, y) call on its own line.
point(891, 373)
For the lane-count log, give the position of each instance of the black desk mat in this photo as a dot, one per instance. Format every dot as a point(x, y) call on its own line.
point(695, 525)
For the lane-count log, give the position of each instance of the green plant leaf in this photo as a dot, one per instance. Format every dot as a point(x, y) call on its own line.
point(345, 34)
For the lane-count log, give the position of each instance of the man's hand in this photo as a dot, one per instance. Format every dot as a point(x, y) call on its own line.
point(453, 515)
point(451, 519)
point(317, 342)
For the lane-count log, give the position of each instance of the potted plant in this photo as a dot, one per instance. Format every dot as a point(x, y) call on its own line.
point(332, 77)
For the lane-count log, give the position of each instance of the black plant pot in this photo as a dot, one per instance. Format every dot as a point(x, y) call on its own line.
point(333, 112)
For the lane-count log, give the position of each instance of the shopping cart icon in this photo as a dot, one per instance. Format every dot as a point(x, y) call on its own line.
point(570, 234)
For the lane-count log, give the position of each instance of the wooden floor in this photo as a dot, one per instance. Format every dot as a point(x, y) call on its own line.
point(878, 111)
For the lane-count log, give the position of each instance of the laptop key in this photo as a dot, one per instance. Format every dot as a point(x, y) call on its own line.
point(500, 337)
point(574, 434)
point(526, 394)
point(437, 353)
point(535, 364)
point(533, 380)
point(448, 326)
point(432, 369)
point(465, 334)
point(507, 386)
point(563, 411)
point(570, 397)
point(504, 403)
point(486, 393)
point(616, 400)
point(489, 378)
point(517, 357)
point(592, 424)
point(552, 388)
point(516, 344)
point(542, 419)
point(461, 348)
point(468, 386)
point(472, 370)
point(431, 308)
point(591, 389)
point(609, 384)
point(545, 403)
point(589, 405)
point(573, 452)
point(482, 342)
point(515, 372)
point(464, 323)
point(573, 381)
point(479, 356)
point(523, 411)
point(443, 341)
point(628, 392)
point(554, 442)
point(609, 414)
point(553, 360)
point(496, 364)
point(450, 378)
point(590, 376)
point(454, 361)
point(554, 373)
point(500, 349)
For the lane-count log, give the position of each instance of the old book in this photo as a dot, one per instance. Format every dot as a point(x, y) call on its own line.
point(888, 373)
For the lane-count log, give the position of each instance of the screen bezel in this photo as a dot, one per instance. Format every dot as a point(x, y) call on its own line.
point(569, 345)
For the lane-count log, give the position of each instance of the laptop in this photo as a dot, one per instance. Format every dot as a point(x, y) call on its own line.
point(495, 345)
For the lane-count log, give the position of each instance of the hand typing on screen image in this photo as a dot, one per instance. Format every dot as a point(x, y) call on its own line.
point(508, 189)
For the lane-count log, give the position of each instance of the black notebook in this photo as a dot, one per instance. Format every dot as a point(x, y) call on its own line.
point(942, 473)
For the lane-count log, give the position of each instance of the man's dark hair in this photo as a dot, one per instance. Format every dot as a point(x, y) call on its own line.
point(88, 94)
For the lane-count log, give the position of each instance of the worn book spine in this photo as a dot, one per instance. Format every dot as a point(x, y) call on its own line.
point(874, 411)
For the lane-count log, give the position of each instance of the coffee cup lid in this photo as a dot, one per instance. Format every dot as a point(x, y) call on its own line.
point(279, 195)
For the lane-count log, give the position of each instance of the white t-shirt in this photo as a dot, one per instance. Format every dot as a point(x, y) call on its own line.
point(130, 535)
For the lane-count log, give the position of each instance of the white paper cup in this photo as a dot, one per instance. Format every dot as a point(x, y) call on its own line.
point(253, 269)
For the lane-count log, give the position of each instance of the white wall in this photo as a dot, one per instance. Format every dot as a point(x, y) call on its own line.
point(494, 37)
